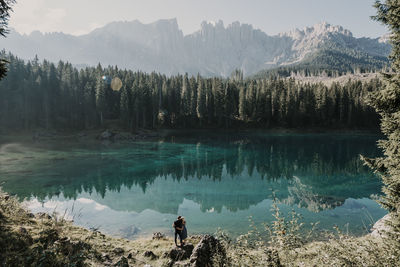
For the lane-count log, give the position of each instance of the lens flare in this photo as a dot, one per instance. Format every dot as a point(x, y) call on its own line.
point(116, 84)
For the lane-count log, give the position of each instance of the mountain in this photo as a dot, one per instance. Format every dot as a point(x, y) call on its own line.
point(213, 50)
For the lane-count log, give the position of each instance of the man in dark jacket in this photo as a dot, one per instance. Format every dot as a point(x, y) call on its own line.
point(178, 225)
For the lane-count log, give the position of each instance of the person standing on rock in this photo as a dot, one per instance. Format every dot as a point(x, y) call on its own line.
point(178, 225)
point(184, 230)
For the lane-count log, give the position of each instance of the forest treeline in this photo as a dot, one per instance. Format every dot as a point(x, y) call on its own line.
point(42, 94)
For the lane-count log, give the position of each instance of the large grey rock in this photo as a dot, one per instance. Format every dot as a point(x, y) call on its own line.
point(180, 253)
point(106, 135)
point(380, 228)
point(208, 252)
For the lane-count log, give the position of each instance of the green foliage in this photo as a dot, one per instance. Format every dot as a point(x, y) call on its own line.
point(20, 246)
point(5, 10)
point(43, 95)
point(387, 103)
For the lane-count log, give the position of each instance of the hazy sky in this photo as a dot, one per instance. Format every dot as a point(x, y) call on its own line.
point(272, 16)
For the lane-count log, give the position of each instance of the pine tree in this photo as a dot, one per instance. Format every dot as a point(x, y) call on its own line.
point(124, 106)
point(387, 103)
point(101, 101)
point(5, 9)
point(185, 99)
point(201, 100)
point(242, 103)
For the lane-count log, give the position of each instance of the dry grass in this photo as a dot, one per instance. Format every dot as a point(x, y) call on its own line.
point(51, 241)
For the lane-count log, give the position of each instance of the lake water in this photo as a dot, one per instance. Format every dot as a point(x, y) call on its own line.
point(215, 180)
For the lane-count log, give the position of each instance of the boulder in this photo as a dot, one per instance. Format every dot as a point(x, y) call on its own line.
point(106, 135)
point(158, 236)
point(118, 251)
point(122, 262)
point(380, 227)
point(150, 254)
point(180, 253)
point(208, 252)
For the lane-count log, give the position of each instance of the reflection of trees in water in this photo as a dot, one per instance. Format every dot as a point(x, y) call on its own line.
point(327, 169)
point(305, 197)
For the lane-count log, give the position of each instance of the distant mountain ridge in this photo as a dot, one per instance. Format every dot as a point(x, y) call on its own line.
point(214, 50)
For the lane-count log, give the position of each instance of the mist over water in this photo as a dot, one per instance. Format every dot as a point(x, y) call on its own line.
point(213, 179)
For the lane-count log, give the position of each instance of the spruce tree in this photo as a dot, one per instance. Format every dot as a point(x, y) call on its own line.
point(5, 9)
point(201, 100)
point(101, 101)
point(387, 103)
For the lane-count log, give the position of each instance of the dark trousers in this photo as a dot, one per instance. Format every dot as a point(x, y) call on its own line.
point(179, 233)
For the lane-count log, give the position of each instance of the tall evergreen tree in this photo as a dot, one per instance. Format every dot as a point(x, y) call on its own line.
point(101, 101)
point(201, 100)
point(387, 103)
point(5, 9)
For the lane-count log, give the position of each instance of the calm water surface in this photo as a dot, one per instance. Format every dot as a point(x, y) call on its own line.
point(213, 179)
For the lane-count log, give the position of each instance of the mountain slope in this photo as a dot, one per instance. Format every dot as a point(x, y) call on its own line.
point(213, 50)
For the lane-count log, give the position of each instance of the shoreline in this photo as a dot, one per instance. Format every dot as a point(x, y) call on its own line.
point(120, 136)
point(25, 237)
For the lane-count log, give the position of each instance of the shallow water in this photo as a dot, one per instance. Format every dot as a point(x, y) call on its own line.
point(213, 179)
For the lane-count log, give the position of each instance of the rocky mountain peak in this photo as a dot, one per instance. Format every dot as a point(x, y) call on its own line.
point(215, 49)
point(322, 29)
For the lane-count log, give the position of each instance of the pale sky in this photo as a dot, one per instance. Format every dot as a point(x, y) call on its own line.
point(272, 16)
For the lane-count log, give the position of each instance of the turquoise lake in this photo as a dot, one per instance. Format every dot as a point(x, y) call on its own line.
point(216, 180)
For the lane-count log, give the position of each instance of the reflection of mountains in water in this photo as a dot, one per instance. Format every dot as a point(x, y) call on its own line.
point(316, 172)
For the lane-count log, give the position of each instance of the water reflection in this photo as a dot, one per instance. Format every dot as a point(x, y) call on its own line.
point(216, 172)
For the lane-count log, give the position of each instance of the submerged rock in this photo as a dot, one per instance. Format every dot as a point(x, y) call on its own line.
point(208, 252)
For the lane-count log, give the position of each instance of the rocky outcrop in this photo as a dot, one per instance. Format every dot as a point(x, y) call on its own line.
point(208, 252)
point(180, 253)
point(380, 228)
